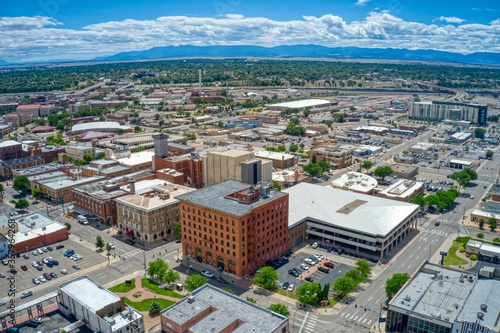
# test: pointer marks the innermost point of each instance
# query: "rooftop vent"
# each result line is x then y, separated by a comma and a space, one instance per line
190, 299
484, 307
480, 315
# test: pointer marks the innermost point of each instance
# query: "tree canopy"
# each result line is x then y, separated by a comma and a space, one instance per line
157, 268
21, 183
464, 177
479, 133
395, 283
22, 204
280, 308
267, 278
195, 281
99, 242
383, 171
366, 164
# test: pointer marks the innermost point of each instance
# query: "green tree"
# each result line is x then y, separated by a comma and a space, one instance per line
228, 290
157, 268
220, 124
2, 189
138, 129
324, 165
171, 276
252, 300
367, 165
309, 293
418, 200
154, 308
176, 228
293, 148
68, 226
479, 133
88, 157
21, 183
195, 281
481, 224
109, 247
267, 278
383, 171
22, 204
276, 186
306, 113
492, 223
101, 155
395, 283
489, 153
480, 235
496, 240
157, 116
464, 177
313, 169
343, 286
280, 308
364, 267
355, 275
99, 242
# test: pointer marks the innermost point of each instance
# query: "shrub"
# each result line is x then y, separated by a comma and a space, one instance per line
480, 235
462, 249
496, 240
473, 257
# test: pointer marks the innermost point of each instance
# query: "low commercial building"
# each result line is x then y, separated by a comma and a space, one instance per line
402, 190
404, 171
78, 151
97, 307
287, 178
59, 190
210, 309
138, 161
149, 217
460, 164
459, 137
438, 299
356, 182
300, 105
484, 251
421, 147
351, 220
279, 160
337, 156
35, 230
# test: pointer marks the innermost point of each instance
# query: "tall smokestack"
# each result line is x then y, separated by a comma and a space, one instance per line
132, 187
199, 81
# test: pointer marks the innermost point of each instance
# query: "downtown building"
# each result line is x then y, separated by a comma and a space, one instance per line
234, 227
453, 111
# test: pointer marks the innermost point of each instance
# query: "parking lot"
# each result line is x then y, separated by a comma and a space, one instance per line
24, 279
296, 259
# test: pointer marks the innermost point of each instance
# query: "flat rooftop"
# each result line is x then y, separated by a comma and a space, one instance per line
486, 292
273, 155
63, 182
214, 197
87, 292
303, 103
8, 143
39, 169
228, 309
402, 188
148, 203
137, 158
355, 181
376, 216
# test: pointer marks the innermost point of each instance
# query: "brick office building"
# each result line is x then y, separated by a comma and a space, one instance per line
233, 226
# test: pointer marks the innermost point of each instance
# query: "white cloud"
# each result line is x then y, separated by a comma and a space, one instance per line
362, 2
43, 38
451, 19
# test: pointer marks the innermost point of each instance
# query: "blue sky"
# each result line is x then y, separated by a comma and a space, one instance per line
39, 30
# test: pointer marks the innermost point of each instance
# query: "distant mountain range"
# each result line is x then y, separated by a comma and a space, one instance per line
3, 62
305, 51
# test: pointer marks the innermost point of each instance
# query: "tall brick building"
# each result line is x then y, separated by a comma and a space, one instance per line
233, 226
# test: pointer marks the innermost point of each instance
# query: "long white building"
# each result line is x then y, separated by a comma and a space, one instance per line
441, 110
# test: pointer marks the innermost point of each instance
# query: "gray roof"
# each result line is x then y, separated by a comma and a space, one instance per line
486, 292
228, 309
64, 182
345, 209
435, 292
214, 197
8, 143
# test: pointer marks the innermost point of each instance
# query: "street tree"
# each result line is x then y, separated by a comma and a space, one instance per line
20, 183
99, 242
109, 247
171, 276
367, 165
157, 268
195, 281
267, 278
2, 188
324, 165
293, 148
492, 223
364, 267
22, 204
343, 286
481, 224
309, 293
395, 283
176, 228
154, 308
36, 193
68, 226
313, 169
489, 153
419, 200
383, 171
280, 308
306, 113
464, 177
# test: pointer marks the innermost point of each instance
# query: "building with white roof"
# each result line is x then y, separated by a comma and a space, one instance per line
351, 220
438, 299
100, 126
138, 161
280, 160
403, 190
100, 309
356, 182
421, 147
301, 104
210, 309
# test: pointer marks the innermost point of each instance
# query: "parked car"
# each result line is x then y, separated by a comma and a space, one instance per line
35, 253
329, 264
309, 261
291, 287
319, 256
55, 262
309, 279
304, 267
315, 245
313, 258
76, 266
42, 278
26, 256
2, 303
285, 286
207, 274
35, 281
54, 275
58, 247
63, 271
47, 276
24, 267
221, 280
5, 262
323, 269
129, 241
2, 275
50, 248
27, 294
37, 320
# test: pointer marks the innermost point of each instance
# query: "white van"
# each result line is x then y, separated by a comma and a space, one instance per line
82, 219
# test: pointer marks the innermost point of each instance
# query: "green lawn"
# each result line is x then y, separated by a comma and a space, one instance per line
122, 288
451, 258
155, 288
146, 303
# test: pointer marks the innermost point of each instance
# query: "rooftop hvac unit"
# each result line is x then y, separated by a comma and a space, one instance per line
190, 299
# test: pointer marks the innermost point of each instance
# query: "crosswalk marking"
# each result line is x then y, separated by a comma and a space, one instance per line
132, 253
